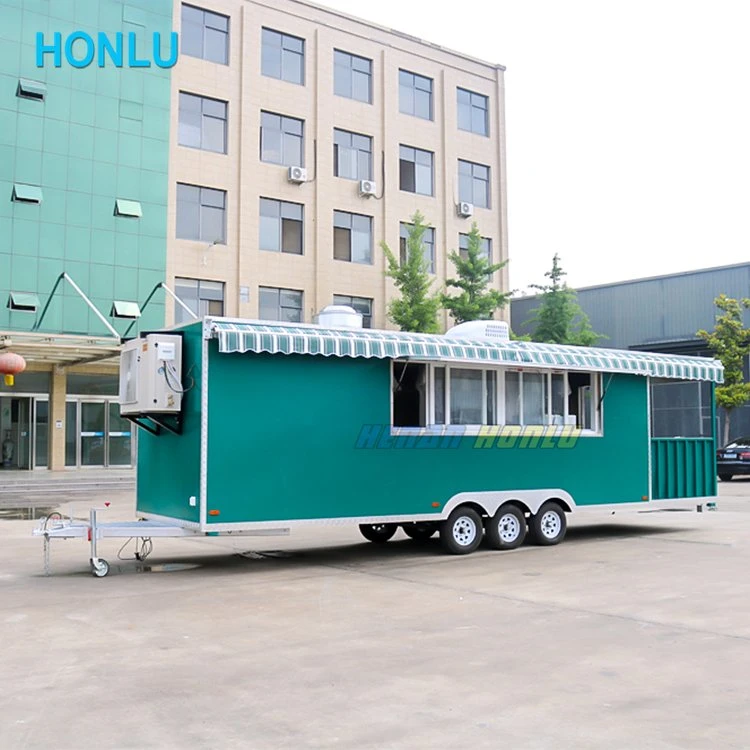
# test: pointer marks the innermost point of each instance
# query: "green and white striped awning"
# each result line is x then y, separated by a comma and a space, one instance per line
249, 336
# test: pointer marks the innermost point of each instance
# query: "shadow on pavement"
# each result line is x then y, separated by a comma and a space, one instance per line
305, 560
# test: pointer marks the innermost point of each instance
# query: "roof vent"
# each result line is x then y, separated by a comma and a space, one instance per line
339, 316
484, 330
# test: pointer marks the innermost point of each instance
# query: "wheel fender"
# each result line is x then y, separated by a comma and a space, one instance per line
490, 501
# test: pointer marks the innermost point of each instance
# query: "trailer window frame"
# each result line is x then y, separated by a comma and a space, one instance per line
438, 416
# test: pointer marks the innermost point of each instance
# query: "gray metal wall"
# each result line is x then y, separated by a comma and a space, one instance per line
660, 314
647, 311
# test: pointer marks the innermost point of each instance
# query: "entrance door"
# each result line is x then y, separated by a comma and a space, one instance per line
41, 433
119, 431
93, 415
15, 432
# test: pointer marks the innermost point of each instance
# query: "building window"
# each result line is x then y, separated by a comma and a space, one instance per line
360, 304
352, 155
201, 213
202, 297
23, 193
129, 208
280, 304
352, 76
282, 140
352, 237
473, 110
203, 123
281, 226
463, 247
204, 34
28, 89
415, 94
428, 245
474, 183
283, 56
415, 170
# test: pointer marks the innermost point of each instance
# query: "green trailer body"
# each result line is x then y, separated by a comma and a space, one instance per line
285, 424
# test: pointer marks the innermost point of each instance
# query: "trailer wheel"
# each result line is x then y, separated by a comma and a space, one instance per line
99, 567
507, 528
378, 532
548, 526
461, 533
726, 477
420, 532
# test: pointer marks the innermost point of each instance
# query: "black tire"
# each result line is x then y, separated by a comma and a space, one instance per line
507, 528
548, 526
419, 532
726, 477
461, 533
377, 532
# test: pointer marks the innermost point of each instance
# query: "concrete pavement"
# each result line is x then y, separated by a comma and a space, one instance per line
634, 633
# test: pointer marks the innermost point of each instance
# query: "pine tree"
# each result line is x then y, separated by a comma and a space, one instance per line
559, 318
474, 273
417, 307
730, 342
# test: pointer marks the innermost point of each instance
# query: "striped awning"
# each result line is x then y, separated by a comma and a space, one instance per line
250, 336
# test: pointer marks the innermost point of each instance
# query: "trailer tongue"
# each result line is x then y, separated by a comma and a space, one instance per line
55, 526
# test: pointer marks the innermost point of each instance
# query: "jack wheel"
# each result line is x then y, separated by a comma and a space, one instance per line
99, 568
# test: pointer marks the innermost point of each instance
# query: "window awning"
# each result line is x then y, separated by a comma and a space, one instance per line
250, 336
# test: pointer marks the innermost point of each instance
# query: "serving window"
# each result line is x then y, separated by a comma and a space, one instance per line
425, 395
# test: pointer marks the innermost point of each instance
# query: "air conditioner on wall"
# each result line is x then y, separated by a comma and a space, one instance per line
297, 175
465, 209
367, 188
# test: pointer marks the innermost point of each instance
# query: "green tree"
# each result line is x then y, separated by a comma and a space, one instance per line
559, 318
417, 307
474, 273
730, 343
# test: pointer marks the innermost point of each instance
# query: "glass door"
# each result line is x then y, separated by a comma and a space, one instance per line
41, 433
92, 435
71, 433
15, 432
119, 433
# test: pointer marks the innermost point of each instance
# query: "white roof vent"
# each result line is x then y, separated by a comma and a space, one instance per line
339, 316
484, 330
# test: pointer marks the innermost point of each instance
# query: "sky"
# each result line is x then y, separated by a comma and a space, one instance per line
628, 127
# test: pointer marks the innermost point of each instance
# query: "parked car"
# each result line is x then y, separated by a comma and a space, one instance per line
733, 458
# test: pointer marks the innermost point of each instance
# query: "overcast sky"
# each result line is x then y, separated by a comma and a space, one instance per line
628, 127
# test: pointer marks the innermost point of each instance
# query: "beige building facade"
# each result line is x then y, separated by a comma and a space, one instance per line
263, 87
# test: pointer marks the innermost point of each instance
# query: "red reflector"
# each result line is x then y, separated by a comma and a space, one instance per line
89, 535
745, 456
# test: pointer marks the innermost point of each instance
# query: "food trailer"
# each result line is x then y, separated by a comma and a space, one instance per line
254, 427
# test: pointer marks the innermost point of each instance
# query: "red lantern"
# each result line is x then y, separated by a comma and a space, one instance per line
10, 365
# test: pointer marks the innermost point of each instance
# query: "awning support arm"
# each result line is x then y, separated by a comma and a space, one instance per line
162, 285
64, 277
604, 392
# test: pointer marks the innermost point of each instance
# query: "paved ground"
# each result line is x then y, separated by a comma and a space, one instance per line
634, 633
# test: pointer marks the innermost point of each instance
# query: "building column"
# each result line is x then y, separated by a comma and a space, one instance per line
58, 387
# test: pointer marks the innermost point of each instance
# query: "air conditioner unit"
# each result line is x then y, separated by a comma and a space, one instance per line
367, 188
297, 175
151, 375
465, 209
